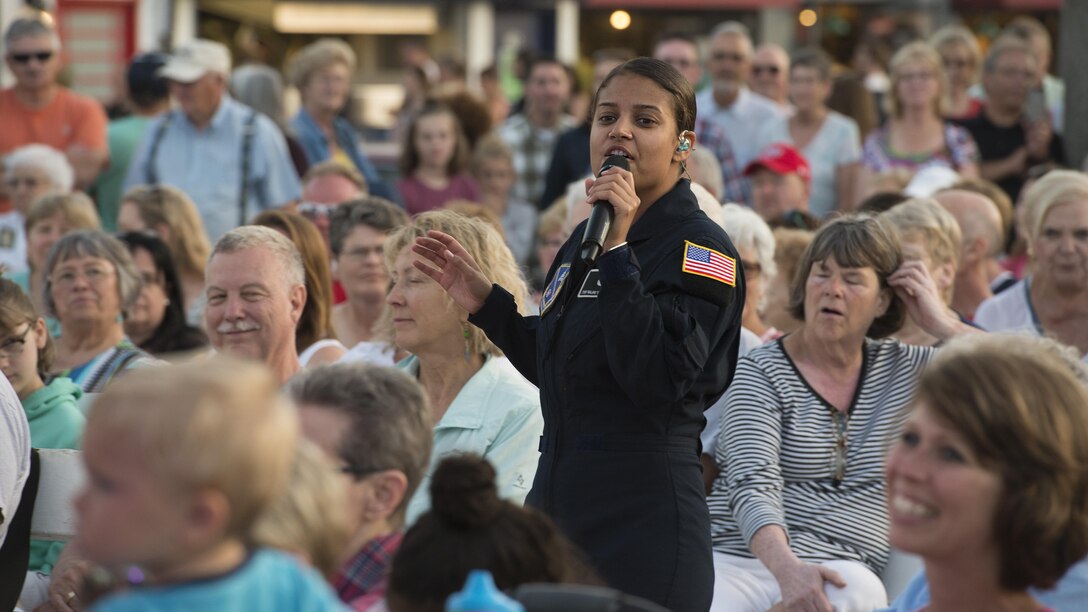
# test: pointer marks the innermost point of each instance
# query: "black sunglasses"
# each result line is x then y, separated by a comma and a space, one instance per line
24, 58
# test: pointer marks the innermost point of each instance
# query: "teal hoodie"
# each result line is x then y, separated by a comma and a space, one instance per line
55, 422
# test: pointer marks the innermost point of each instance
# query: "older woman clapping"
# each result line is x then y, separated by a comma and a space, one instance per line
480, 403
1053, 300
987, 483
807, 422
90, 281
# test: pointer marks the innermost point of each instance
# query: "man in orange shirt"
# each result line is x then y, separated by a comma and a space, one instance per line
38, 110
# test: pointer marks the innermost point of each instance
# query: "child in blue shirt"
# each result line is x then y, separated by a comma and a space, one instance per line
181, 462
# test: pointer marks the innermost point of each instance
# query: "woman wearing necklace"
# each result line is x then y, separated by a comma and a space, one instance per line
798, 510
915, 136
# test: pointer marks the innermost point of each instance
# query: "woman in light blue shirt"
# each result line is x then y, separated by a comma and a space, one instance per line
480, 403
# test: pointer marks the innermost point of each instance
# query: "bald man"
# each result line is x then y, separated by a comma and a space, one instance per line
980, 223
770, 74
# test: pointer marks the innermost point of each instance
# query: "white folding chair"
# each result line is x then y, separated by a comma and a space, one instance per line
62, 476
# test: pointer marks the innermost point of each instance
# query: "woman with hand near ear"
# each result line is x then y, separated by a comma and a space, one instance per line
629, 350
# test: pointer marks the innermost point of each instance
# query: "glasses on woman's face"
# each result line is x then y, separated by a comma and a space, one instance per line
922, 75
95, 275
954, 63
12, 346
150, 279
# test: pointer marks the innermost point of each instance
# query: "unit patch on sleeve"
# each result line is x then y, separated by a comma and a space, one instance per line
554, 287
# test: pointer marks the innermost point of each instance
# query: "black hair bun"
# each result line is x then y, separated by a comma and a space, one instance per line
463, 492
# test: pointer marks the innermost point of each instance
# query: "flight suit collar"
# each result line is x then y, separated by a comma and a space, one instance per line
677, 204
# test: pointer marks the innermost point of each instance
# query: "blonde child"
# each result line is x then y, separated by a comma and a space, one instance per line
308, 520
432, 165
181, 463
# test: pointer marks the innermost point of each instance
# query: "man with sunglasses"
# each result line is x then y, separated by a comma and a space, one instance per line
731, 105
325, 186
39, 110
770, 75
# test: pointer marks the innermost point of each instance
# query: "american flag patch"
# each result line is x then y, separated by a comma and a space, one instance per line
706, 262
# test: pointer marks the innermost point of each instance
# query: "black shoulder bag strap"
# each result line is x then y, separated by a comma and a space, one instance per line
247, 150
151, 175
15, 553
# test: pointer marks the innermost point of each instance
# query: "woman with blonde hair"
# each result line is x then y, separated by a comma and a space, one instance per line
315, 338
961, 57
51, 217
480, 403
915, 135
169, 214
927, 233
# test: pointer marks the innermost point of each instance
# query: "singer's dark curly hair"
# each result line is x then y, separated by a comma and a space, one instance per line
666, 77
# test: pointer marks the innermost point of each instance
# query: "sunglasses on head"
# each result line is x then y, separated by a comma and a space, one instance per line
24, 58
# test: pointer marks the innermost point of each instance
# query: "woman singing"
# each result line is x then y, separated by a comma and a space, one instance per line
627, 351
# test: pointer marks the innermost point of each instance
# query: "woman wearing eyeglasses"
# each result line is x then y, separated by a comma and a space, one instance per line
797, 512
26, 355
915, 136
156, 321
90, 282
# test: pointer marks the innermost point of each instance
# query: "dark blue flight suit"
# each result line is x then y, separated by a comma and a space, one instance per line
627, 357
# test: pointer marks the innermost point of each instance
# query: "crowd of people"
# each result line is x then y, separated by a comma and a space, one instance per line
300, 382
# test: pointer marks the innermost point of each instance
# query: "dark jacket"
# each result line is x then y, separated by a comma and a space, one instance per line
627, 357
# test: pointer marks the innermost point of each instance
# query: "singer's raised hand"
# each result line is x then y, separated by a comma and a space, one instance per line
617, 187
454, 269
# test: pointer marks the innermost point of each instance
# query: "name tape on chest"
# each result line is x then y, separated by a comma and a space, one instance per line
708, 263
591, 286
554, 287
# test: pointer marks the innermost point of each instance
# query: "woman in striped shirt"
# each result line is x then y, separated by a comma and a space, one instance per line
808, 420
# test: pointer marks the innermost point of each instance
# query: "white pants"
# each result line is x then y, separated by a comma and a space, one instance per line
746, 585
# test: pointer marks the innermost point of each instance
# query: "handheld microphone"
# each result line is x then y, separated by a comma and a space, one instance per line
600, 218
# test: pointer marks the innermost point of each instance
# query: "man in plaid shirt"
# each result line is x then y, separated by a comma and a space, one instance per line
374, 425
532, 134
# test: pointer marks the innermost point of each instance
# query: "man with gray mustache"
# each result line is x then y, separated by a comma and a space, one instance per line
255, 288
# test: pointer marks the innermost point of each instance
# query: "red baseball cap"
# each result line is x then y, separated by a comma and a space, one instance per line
781, 158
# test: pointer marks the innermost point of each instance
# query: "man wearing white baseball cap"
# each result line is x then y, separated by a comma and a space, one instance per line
232, 161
